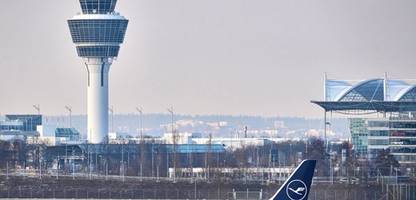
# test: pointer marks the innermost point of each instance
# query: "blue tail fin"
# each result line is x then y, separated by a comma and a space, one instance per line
298, 185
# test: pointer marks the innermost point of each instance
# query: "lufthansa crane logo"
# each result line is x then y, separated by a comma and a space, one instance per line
296, 190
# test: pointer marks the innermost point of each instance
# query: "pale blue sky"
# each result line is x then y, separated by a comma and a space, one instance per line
262, 57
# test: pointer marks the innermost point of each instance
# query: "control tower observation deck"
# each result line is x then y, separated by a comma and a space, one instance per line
97, 33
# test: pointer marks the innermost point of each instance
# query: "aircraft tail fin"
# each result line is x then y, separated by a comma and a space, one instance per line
298, 185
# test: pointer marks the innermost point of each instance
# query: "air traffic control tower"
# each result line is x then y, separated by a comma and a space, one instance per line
97, 33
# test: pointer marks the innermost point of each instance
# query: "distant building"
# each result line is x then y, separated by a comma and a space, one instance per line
118, 136
22, 127
14, 125
234, 143
23, 123
158, 158
394, 99
67, 134
181, 138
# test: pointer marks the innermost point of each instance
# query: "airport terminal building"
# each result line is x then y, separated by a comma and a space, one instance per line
382, 115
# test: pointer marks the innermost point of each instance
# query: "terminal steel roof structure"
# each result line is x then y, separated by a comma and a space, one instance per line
378, 95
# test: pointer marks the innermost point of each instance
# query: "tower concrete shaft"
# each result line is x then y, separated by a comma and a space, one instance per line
98, 69
97, 34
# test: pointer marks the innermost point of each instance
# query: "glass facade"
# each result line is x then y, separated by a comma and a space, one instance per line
97, 6
334, 88
395, 133
98, 51
11, 126
378, 142
98, 30
70, 133
359, 135
29, 122
378, 124
409, 96
353, 96
399, 124
368, 91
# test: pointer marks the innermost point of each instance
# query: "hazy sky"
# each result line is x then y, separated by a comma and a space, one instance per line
264, 57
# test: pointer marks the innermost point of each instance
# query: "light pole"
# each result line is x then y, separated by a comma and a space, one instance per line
7, 170
170, 110
37, 108
73, 164
69, 109
153, 161
57, 169
122, 158
111, 109
140, 110
40, 165
327, 128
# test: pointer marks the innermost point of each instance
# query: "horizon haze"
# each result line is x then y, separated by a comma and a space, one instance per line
237, 57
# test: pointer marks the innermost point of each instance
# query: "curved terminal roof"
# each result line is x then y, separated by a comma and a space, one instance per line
372, 94
369, 90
